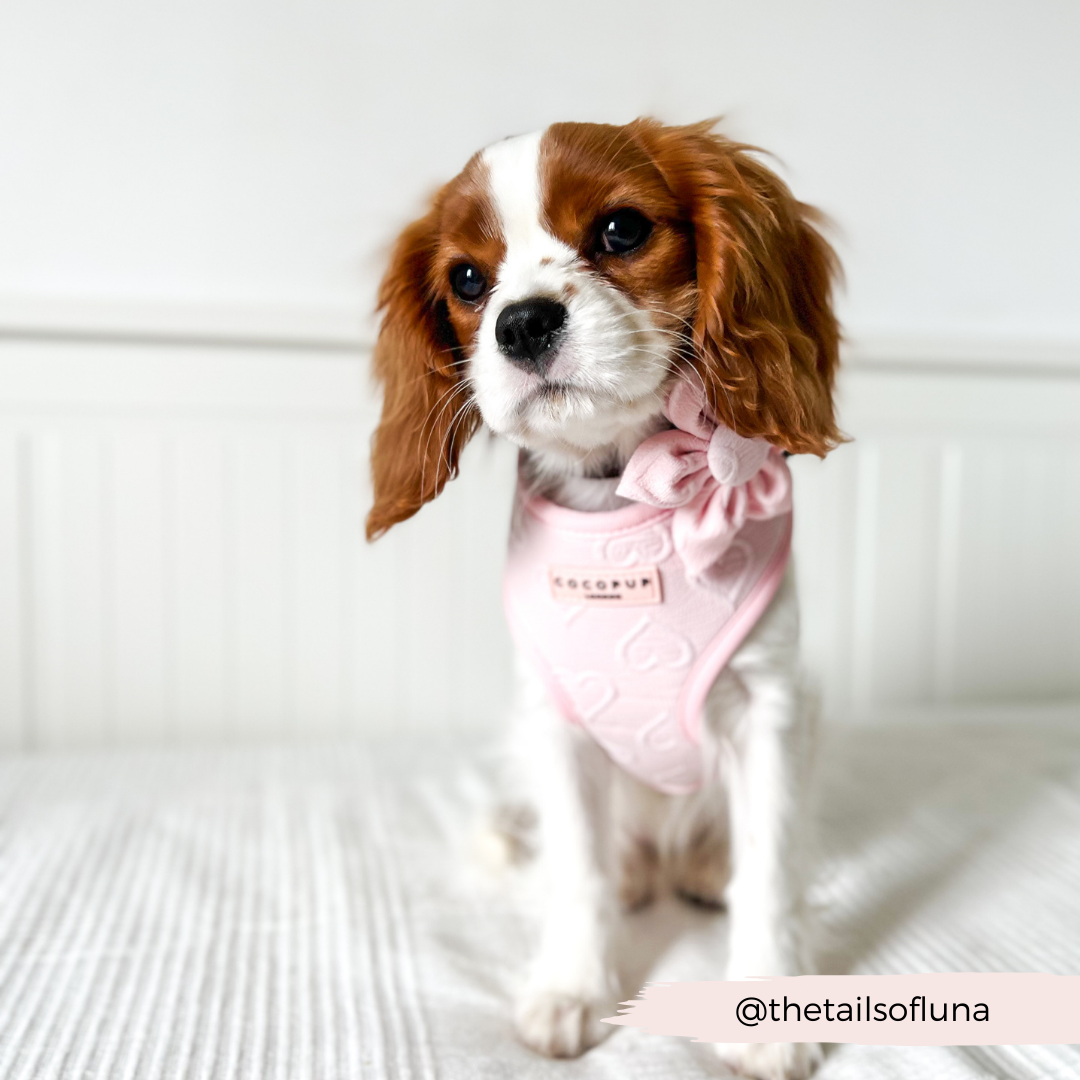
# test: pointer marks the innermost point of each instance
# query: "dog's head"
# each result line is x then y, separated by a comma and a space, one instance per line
557, 285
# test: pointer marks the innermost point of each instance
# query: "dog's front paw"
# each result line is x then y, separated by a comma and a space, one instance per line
771, 1061
562, 1025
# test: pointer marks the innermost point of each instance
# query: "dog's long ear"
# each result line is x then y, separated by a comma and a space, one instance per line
426, 420
765, 337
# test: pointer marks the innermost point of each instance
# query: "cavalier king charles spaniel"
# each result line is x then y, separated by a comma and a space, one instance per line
645, 311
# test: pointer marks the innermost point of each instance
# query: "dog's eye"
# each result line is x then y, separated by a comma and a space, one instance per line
623, 231
467, 282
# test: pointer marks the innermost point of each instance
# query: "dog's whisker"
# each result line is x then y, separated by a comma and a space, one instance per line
447, 397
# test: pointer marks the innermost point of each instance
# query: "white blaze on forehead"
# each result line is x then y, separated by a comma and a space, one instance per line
513, 167
513, 170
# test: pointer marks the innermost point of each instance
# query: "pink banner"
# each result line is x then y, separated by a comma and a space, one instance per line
898, 1010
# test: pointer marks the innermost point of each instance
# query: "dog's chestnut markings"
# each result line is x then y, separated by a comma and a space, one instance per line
733, 260
426, 336
589, 172
765, 339
470, 235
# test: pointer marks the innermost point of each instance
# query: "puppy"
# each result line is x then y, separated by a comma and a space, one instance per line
646, 312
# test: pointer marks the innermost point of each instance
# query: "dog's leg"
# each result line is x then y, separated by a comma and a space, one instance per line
572, 983
765, 786
638, 813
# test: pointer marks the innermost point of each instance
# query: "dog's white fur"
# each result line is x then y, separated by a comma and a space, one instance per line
611, 371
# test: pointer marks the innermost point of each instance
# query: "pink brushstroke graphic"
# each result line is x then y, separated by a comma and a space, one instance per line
962, 1009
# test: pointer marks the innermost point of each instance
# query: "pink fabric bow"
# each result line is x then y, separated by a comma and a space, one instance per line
716, 480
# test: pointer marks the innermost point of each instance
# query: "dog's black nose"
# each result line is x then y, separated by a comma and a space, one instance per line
526, 331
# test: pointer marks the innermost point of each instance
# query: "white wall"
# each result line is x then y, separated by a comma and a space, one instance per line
181, 552
194, 202
247, 159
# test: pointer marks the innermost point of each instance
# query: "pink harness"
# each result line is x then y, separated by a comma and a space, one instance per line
631, 614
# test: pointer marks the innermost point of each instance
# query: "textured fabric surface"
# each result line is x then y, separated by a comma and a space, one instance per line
316, 914
634, 675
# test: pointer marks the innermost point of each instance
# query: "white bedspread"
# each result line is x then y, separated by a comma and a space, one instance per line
312, 914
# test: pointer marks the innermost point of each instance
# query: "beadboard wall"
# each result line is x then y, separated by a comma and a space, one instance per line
181, 552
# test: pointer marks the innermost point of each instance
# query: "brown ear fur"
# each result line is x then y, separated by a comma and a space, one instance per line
765, 338
427, 415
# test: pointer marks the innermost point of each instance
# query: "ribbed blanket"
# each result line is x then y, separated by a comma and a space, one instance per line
300, 913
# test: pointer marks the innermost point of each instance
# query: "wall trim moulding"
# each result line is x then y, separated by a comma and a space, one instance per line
257, 325
1022, 356
350, 328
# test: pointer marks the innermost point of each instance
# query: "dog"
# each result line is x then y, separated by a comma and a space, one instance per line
645, 311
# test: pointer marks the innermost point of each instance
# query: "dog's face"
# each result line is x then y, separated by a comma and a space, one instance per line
576, 323
559, 282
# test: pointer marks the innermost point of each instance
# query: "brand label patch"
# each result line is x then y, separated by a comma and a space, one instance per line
629, 585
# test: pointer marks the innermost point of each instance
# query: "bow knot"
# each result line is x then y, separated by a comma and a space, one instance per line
715, 479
